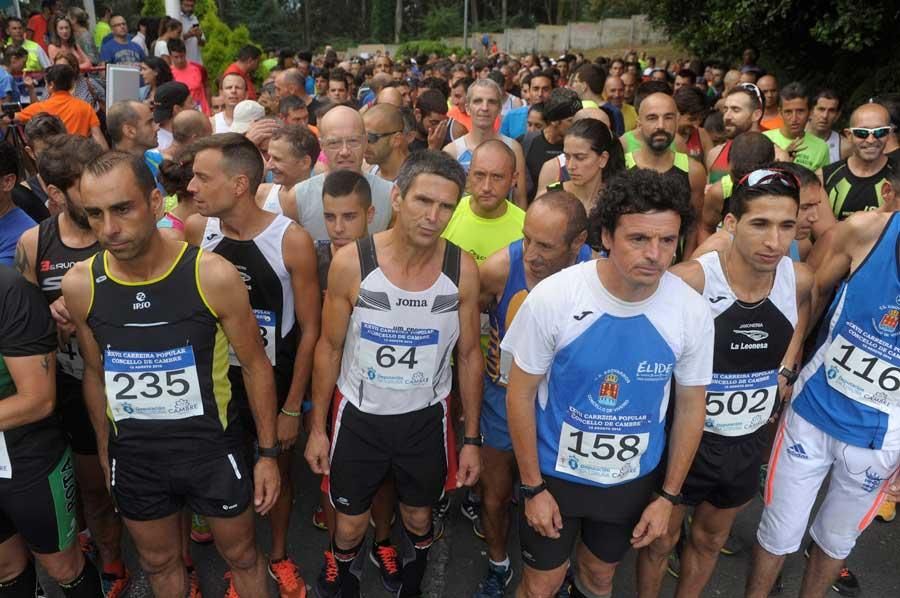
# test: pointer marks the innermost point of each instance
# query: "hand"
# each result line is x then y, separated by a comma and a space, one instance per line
469, 466
61, 316
437, 135
288, 428
796, 146
892, 492
316, 453
267, 484
542, 514
785, 391
653, 524
28, 82
261, 131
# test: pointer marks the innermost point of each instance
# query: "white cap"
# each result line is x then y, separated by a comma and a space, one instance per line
246, 113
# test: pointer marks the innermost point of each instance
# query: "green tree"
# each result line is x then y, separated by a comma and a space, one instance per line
222, 42
153, 8
383, 20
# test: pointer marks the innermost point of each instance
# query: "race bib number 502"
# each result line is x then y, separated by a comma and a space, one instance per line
152, 385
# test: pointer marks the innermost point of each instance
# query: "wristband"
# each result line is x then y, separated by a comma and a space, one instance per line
290, 413
271, 453
473, 440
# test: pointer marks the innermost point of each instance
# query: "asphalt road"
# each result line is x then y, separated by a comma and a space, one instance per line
457, 562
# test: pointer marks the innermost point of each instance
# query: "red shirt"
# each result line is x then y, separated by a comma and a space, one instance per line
194, 76
38, 24
236, 69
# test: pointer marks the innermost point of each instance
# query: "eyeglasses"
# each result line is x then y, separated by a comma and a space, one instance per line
877, 132
374, 138
333, 144
764, 176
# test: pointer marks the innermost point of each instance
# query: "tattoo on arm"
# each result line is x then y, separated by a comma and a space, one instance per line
21, 259
45, 363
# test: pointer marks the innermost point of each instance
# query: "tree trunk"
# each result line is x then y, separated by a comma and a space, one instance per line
503, 16
474, 15
574, 16
398, 20
560, 11
306, 39
365, 18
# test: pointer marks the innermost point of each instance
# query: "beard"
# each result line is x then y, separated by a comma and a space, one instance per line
660, 141
77, 215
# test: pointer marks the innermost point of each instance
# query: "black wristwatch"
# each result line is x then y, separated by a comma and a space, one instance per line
271, 453
474, 440
532, 491
789, 374
675, 499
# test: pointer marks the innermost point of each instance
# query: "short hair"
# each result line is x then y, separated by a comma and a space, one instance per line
187, 124
42, 126
61, 76
749, 151
594, 76
301, 140
571, 207
9, 159
109, 161
497, 144
431, 100
337, 74
804, 175
120, 114
483, 83
743, 193
466, 82
433, 162
690, 100
539, 108
891, 103
290, 103
827, 93
794, 91
746, 90
687, 74
602, 140
64, 161
345, 182
648, 88
546, 73
10, 52
440, 85
638, 191
497, 77
12, 19
239, 155
248, 52
715, 122
176, 44
293, 76
563, 103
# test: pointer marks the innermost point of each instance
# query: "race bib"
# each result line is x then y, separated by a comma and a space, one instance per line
161, 385
69, 359
398, 358
740, 404
266, 322
862, 370
5, 463
600, 458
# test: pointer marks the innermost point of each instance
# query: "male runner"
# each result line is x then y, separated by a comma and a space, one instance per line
37, 483
293, 150
803, 147
826, 110
387, 145
164, 313
771, 117
856, 183
554, 238
844, 419
277, 261
43, 256
397, 304
539, 85
597, 346
760, 300
483, 105
539, 146
657, 120
742, 109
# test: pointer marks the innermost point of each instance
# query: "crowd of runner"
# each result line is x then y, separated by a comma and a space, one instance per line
613, 299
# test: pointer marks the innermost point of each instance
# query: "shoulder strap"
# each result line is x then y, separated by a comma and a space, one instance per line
528, 141
368, 260
682, 162
48, 229
629, 161
451, 264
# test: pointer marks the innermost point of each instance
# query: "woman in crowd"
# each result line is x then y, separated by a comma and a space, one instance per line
81, 31
168, 29
154, 71
86, 88
63, 40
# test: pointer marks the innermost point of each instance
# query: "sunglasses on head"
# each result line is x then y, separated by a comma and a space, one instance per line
877, 132
751, 87
764, 176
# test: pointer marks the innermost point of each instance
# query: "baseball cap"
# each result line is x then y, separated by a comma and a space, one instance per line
245, 114
168, 95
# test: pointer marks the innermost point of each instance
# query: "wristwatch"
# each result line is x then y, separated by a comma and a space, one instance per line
474, 440
789, 374
271, 453
532, 491
675, 499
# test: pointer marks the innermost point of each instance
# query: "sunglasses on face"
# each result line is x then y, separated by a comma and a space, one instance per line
764, 176
877, 132
374, 138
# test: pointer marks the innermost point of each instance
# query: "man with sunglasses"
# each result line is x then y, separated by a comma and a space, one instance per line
844, 419
803, 147
855, 184
760, 301
387, 147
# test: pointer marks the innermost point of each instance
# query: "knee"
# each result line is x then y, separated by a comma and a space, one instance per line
540, 586
662, 547
64, 566
495, 497
240, 555
156, 562
597, 577
349, 531
707, 541
417, 520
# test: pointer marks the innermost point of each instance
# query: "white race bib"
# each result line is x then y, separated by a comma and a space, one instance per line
398, 358
862, 376
152, 385
70, 360
5, 463
740, 404
266, 322
600, 458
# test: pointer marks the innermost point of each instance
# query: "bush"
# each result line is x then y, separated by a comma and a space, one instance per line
222, 42
445, 21
153, 8
415, 48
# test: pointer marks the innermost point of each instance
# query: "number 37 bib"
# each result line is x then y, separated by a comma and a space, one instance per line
152, 385
398, 358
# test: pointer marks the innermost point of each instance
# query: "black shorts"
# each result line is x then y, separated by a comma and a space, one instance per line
145, 489
73, 415
366, 449
42, 512
604, 518
242, 402
725, 472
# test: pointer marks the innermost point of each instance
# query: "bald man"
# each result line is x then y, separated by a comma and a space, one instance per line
856, 183
614, 93
390, 96
387, 146
342, 136
292, 82
657, 121
187, 127
768, 86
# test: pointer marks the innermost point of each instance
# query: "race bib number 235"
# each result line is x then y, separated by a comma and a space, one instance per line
152, 385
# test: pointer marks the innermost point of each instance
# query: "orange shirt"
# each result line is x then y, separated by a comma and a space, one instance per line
77, 115
772, 122
466, 119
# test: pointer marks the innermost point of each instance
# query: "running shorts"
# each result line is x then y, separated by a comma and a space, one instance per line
725, 472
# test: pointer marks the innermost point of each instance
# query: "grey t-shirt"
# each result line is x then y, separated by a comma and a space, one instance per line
312, 217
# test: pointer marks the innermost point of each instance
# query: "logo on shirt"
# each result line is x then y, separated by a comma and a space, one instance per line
872, 481
717, 299
609, 391
140, 301
211, 236
754, 333
582, 315
890, 319
401, 302
609, 385
797, 451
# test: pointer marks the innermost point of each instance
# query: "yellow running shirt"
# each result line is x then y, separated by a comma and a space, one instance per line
482, 236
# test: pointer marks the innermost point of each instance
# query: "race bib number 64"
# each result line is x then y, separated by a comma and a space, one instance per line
398, 358
152, 385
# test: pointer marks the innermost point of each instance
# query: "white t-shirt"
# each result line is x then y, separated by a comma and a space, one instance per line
311, 212
160, 48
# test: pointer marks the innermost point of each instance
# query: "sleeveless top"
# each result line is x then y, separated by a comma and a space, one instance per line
272, 203
849, 193
165, 362
750, 343
397, 351
323, 263
719, 167
464, 154
694, 145
219, 124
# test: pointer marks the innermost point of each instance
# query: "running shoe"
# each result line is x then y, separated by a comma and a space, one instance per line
385, 558
88, 547
673, 567
494, 584
113, 585
194, 581
318, 519
200, 532
439, 515
887, 511
565, 590
477, 528
471, 506
328, 585
39, 591
286, 573
778, 587
733, 545
846, 583
231, 592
